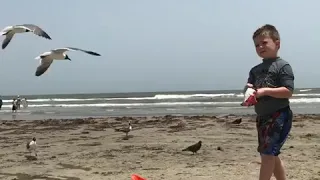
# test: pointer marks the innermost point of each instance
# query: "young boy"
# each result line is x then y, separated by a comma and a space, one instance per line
273, 80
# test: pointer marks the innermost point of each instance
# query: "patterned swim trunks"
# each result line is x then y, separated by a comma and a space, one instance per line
273, 131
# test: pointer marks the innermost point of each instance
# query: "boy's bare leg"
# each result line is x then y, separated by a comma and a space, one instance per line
279, 170
267, 167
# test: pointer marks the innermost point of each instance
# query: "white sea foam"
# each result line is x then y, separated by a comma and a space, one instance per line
305, 90
157, 97
162, 104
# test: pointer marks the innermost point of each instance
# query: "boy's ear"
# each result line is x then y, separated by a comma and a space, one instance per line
278, 43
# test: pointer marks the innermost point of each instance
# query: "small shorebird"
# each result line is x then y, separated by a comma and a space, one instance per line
125, 129
47, 58
237, 121
10, 31
193, 148
32, 146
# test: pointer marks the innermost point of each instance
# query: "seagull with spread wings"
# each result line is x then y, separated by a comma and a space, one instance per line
10, 31
47, 58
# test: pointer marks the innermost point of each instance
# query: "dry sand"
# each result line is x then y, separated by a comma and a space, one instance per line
90, 149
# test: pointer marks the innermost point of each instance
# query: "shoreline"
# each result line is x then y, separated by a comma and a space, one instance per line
90, 148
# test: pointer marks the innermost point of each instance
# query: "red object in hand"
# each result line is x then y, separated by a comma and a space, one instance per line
249, 97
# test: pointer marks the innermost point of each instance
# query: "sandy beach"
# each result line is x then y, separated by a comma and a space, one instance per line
90, 148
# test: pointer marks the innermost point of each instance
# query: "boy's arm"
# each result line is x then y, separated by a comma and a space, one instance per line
286, 88
250, 82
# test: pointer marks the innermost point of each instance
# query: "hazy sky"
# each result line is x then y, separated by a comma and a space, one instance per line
154, 45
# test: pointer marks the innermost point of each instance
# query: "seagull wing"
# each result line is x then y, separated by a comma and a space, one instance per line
28, 145
45, 63
36, 30
86, 51
193, 148
60, 50
7, 40
6, 29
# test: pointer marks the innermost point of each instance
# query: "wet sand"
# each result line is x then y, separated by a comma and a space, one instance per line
90, 148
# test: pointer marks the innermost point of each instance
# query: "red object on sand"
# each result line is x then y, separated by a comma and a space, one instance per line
137, 177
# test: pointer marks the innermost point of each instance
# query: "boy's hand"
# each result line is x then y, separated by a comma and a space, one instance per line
249, 97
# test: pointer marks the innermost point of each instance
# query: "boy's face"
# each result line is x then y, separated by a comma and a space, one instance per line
266, 47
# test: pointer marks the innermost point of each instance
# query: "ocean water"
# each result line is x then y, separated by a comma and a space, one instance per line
150, 103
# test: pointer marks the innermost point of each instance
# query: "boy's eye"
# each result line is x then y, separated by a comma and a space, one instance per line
257, 45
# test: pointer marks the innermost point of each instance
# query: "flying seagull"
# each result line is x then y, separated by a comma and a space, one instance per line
193, 148
32, 146
10, 31
47, 58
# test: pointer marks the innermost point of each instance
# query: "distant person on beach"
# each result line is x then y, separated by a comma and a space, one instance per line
273, 80
1, 103
14, 105
18, 102
24, 103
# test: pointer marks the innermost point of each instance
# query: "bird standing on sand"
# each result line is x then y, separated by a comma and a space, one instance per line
32, 146
125, 129
10, 31
193, 148
47, 58
237, 121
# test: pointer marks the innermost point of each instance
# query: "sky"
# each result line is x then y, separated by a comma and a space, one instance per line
154, 45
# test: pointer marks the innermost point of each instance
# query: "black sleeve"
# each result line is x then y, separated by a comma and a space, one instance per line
286, 77
250, 78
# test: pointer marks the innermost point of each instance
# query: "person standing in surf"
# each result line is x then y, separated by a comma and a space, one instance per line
18, 103
1, 103
24, 103
14, 105
273, 80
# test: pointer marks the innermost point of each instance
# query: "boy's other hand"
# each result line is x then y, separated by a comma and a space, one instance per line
250, 85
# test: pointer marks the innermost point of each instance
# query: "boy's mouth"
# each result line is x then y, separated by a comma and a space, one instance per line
263, 51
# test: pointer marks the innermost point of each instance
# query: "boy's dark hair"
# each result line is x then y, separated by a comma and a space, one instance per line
267, 30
